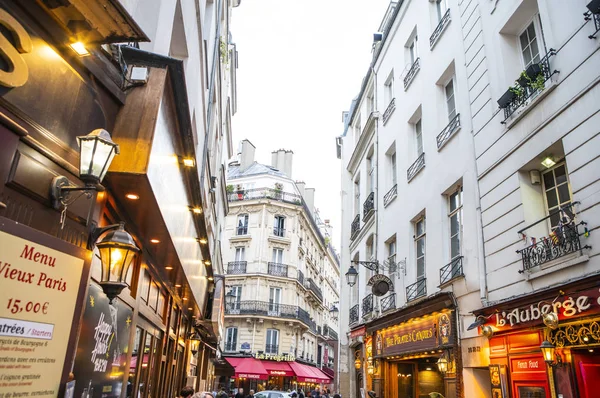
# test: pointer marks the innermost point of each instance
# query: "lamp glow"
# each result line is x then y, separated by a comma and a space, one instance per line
548, 162
79, 49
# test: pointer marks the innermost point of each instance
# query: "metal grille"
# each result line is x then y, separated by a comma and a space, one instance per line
388, 303
416, 290
367, 305
448, 131
452, 270
369, 206
236, 267
354, 314
416, 167
389, 110
355, 227
231, 346
271, 348
279, 232
277, 269
437, 33
312, 286
564, 241
392, 193
412, 72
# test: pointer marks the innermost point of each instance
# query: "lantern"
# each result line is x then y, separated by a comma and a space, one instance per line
442, 365
351, 276
96, 152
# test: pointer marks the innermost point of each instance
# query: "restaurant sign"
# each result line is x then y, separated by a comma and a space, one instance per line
566, 307
423, 334
275, 357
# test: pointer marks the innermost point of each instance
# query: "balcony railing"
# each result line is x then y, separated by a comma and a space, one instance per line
367, 305
412, 72
231, 347
277, 269
301, 277
312, 286
448, 131
388, 302
391, 195
319, 330
354, 314
415, 167
355, 227
416, 290
304, 317
565, 240
437, 33
519, 95
271, 349
279, 232
328, 331
265, 308
369, 206
237, 267
452, 270
389, 110
242, 230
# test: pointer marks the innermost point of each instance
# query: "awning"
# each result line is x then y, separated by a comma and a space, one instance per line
308, 374
248, 368
278, 368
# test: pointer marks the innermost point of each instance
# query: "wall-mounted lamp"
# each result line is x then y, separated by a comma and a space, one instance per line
351, 276
117, 251
551, 357
357, 361
334, 312
96, 152
487, 331
442, 364
550, 320
194, 339
548, 162
230, 299
79, 49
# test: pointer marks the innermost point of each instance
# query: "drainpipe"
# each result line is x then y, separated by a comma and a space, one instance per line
483, 285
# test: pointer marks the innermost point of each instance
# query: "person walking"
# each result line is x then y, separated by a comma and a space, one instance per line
250, 394
240, 393
301, 393
186, 392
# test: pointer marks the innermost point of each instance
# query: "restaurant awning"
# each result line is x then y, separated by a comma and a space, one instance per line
308, 374
278, 368
248, 368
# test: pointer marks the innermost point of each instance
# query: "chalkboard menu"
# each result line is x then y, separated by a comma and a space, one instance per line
103, 346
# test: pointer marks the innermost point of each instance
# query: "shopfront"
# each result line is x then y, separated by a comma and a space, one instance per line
413, 352
546, 344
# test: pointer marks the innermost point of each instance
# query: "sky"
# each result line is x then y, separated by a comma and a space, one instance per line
300, 64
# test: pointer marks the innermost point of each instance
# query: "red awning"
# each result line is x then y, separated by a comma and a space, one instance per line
248, 368
308, 374
278, 368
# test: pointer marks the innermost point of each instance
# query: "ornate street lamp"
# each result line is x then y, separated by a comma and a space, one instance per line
442, 364
117, 251
96, 152
334, 312
230, 299
550, 355
550, 320
194, 339
351, 276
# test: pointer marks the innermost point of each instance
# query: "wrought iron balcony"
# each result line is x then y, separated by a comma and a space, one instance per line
389, 110
328, 331
412, 72
264, 193
301, 277
319, 330
236, 267
416, 290
369, 206
519, 95
271, 349
391, 195
231, 347
265, 308
388, 302
305, 318
355, 227
448, 131
367, 305
277, 269
354, 314
242, 230
565, 240
313, 287
279, 232
452, 270
416, 167
441, 27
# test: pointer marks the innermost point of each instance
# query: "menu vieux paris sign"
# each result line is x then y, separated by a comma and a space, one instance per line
40, 277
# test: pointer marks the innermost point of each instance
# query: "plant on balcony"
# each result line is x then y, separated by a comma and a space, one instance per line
506, 98
240, 191
229, 188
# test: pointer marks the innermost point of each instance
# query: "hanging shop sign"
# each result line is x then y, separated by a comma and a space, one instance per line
358, 332
380, 285
41, 278
566, 307
275, 357
424, 334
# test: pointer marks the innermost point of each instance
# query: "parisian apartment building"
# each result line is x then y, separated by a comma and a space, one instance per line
284, 276
137, 96
470, 192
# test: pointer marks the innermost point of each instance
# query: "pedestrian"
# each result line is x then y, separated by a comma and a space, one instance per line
301, 393
240, 393
250, 394
186, 392
336, 395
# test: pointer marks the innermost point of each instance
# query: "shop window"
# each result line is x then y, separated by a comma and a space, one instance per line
153, 298
160, 307
145, 288
272, 344
242, 224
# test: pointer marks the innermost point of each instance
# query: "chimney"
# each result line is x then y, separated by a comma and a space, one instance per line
246, 155
301, 185
309, 198
282, 161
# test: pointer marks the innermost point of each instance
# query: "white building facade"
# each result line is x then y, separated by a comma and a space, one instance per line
284, 275
496, 209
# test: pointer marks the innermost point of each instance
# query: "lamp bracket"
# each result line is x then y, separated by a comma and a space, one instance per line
61, 187
372, 265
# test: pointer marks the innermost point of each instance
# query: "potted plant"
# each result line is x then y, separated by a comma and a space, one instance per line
506, 98
594, 6
278, 190
240, 192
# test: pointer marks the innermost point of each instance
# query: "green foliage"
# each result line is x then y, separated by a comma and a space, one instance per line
224, 51
539, 83
229, 188
517, 90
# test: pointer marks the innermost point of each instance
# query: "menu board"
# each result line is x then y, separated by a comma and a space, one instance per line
38, 297
103, 346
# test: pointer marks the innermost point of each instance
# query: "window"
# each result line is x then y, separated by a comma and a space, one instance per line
391, 254
240, 253
441, 7
455, 215
370, 103
450, 104
529, 45
272, 346
279, 226
419, 138
370, 174
278, 256
557, 193
231, 339
357, 196
388, 89
242, 224
414, 50
393, 168
274, 301
420, 247
369, 248
237, 292
357, 130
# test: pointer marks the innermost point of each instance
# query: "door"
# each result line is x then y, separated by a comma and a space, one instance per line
587, 367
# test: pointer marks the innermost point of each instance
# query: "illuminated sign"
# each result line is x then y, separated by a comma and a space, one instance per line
275, 357
278, 372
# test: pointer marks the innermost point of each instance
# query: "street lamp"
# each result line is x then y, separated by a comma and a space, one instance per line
194, 341
230, 299
334, 312
442, 364
96, 152
549, 354
351, 276
117, 250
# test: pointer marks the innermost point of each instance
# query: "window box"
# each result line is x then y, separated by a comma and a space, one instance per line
531, 74
594, 6
506, 98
